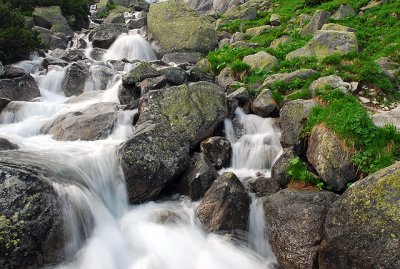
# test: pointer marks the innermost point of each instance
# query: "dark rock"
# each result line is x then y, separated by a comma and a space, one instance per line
217, 149
3, 103
73, 55
152, 158
241, 94
198, 177
2, 70
50, 40
54, 61
14, 72
295, 221
137, 23
181, 57
104, 35
279, 170
92, 123
225, 206
174, 75
5, 144
18, 86
362, 228
263, 186
75, 78
139, 72
150, 84
195, 74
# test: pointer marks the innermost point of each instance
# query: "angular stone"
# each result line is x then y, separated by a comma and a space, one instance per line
264, 105
319, 18
217, 149
262, 60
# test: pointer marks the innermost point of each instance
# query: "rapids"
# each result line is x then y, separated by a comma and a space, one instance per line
103, 231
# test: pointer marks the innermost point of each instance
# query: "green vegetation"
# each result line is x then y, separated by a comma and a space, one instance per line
299, 172
375, 148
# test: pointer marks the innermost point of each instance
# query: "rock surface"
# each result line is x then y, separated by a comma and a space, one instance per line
344, 11
318, 19
18, 86
226, 205
279, 170
264, 105
364, 220
5, 144
262, 60
331, 82
104, 35
217, 149
75, 78
387, 117
295, 223
303, 74
51, 18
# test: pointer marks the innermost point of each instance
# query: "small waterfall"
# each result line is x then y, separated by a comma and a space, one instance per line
50, 84
130, 46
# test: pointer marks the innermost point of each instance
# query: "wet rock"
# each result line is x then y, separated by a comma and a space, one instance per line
115, 17
31, 225
176, 28
264, 105
97, 54
318, 19
75, 78
262, 60
92, 123
150, 84
104, 35
225, 78
139, 72
303, 74
2, 70
99, 77
217, 149
5, 144
54, 61
198, 177
293, 116
137, 23
181, 57
152, 158
363, 220
3, 103
264, 186
174, 75
280, 40
18, 85
225, 206
330, 82
72, 55
193, 111
330, 157
327, 43
279, 170
344, 11
295, 221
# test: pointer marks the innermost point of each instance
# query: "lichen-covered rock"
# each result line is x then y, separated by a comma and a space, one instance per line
50, 40
280, 40
181, 57
303, 74
176, 28
293, 116
152, 158
343, 11
225, 206
279, 170
331, 82
337, 27
115, 17
318, 19
327, 43
93, 123
217, 149
193, 111
105, 34
51, 18
75, 78
275, 19
261, 60
139, 72
256, 31
31, 226
241, 94
364, 220
198, 177
173, 74
18, 86
330, 157
225, 78
295, 222
264, 105
241, 12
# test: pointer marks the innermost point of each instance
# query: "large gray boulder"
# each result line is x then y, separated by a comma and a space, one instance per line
75, 78
343, 11
18, 85
226, 205
193, 111
326, 43
319, 18
382, 118
295, 220
174, 27
264, 105
331, 82
51, 40
151, 159
105, 34
279, 170
51, 18
139, 72
362, 228
330, 157
303, 74
92, 123
262, 60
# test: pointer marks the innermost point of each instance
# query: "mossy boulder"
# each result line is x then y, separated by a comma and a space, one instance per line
243, 12
115, 17
326, 43
139, 72
193, 111
280, 40
362, 228
262, 60
337, 27
51, 18
330, 157
19, 86
225, 206
174, 27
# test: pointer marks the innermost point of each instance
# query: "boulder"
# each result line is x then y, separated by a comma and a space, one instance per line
31, 220
295, 220
326, 43
331, 82
225, 206
115, 17
50, 60
241, 12
174, 27
139, 72
150, 84
275, 19
263, 186
173, 74
151, 159
92, 123
193, 111
137, 23
75, 78
382, 118
225, 78
293, 116
302, 74
279, 170
105, 34
217, 149
212, 6
2, 70
181, 57
3, 103
241, 95
319, 18
264, 105
50, 40
137, 5
197, 74
336, 27
262, 60
70, 55
51, 18
5, 144
330, 157
343, 11
256, 31
280, 40
18, 86
198, 177
390, 68
364, 220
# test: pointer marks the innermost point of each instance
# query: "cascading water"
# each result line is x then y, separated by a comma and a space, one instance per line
101, 229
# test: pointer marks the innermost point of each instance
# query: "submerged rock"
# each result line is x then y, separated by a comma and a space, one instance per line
226, 205
364, 220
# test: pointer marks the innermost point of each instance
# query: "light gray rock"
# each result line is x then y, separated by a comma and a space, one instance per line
264, 105
344, 11
332, 81
262, 60
319, 18
289, 77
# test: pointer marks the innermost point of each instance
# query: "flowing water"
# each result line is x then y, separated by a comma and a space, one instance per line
101, 229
